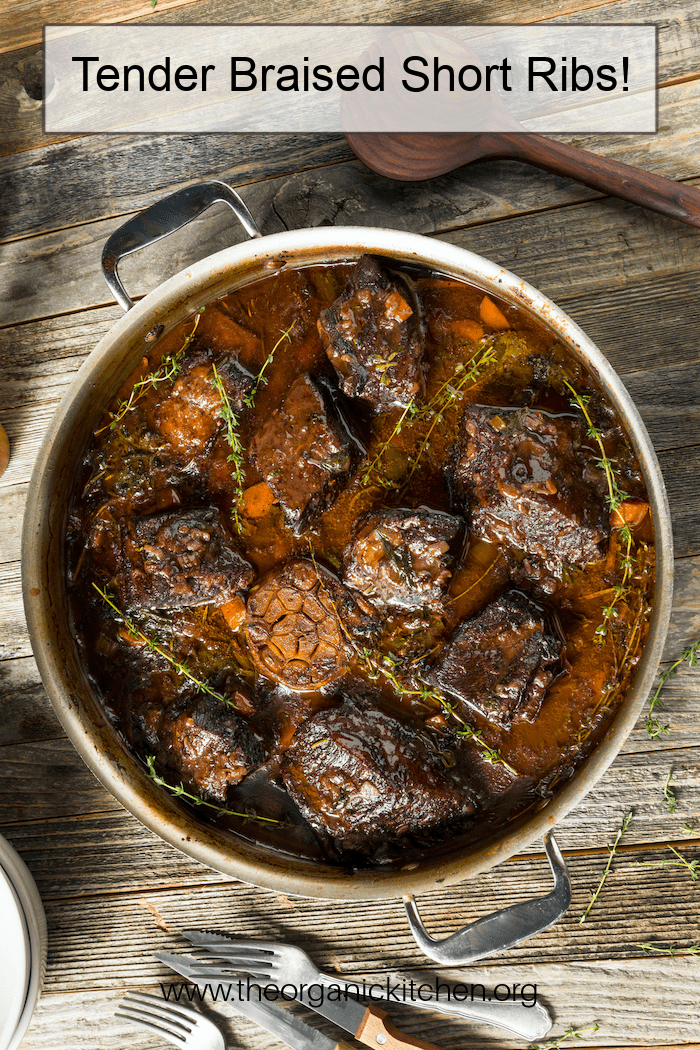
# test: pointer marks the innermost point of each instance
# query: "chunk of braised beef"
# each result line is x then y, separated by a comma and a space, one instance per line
530, 483
207, 745
174, 560
365, 779
304, 452
501, 661
187, 415
297, 625
403, 558
374, 338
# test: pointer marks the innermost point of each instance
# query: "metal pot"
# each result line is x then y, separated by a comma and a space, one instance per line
44, 579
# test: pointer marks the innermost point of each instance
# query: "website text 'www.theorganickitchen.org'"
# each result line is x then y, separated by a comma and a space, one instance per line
389, 990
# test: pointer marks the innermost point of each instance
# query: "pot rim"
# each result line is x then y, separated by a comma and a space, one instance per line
98, 745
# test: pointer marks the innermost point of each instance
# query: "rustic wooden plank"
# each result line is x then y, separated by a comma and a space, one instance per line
22, 21
626, 242
77, 840
111, 175
104, 942
47, 778
576, 994
25, 711
21, 81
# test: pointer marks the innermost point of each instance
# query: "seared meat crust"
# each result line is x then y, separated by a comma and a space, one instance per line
304, 453
188, 415
364, 778
402, 558
180, 559
530, 483
501, 661
374, 339
208, 745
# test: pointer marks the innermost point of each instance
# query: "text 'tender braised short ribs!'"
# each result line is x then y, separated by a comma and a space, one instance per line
530, 483
304, 452
373, 338
176, 560
501, 661
364, 778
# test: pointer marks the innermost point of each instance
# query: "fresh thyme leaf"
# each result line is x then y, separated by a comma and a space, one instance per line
236, 455
616, 497
409, 410
689, 656
260, 379
669, 800
179, 665
400, 558
689, 828
386, 668
449, 395
612, 850
648, 948
570, 1033
178, 791
167, 370
692, 866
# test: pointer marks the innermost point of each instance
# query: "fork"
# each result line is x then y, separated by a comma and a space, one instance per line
178, 1024
286, 964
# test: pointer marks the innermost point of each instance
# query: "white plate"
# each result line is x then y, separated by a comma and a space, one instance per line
14, 961
22, 946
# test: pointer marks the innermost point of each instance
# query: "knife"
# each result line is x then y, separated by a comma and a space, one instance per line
369, 1024
528, 1021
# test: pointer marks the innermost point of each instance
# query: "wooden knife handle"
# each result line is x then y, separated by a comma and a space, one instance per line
378, 1031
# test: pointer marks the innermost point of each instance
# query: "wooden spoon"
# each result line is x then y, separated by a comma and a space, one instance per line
411, 157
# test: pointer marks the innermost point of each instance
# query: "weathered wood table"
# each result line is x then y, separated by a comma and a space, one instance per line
112, 891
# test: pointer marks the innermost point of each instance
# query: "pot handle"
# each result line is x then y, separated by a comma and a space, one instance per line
163, 218
503, 929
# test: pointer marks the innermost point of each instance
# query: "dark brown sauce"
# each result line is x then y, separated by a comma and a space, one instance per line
130, 470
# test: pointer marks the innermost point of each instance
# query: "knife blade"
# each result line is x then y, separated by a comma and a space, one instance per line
369, 1024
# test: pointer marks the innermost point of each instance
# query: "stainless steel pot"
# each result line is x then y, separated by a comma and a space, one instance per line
44, 580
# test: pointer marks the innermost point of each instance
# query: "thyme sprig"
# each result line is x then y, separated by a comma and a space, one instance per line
179, 791
611, 850
167, 370
648, 948
386, 667
235, 456
692, 866
615, 498
669, 800
654, 727
179, 665
261, 379
409, 410
448, 396
570, 1033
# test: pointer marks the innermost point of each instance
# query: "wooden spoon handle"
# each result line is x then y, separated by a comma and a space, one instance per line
609, 176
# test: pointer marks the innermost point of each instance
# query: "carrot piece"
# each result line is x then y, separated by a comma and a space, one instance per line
258, 500
465, 329
234, 613
630, 513
491, 315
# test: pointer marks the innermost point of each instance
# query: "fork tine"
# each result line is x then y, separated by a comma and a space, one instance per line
161, 1027
161, 1008
221, 939
245, 961
215, 971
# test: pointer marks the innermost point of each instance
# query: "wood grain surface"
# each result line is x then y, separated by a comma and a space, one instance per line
113, 891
